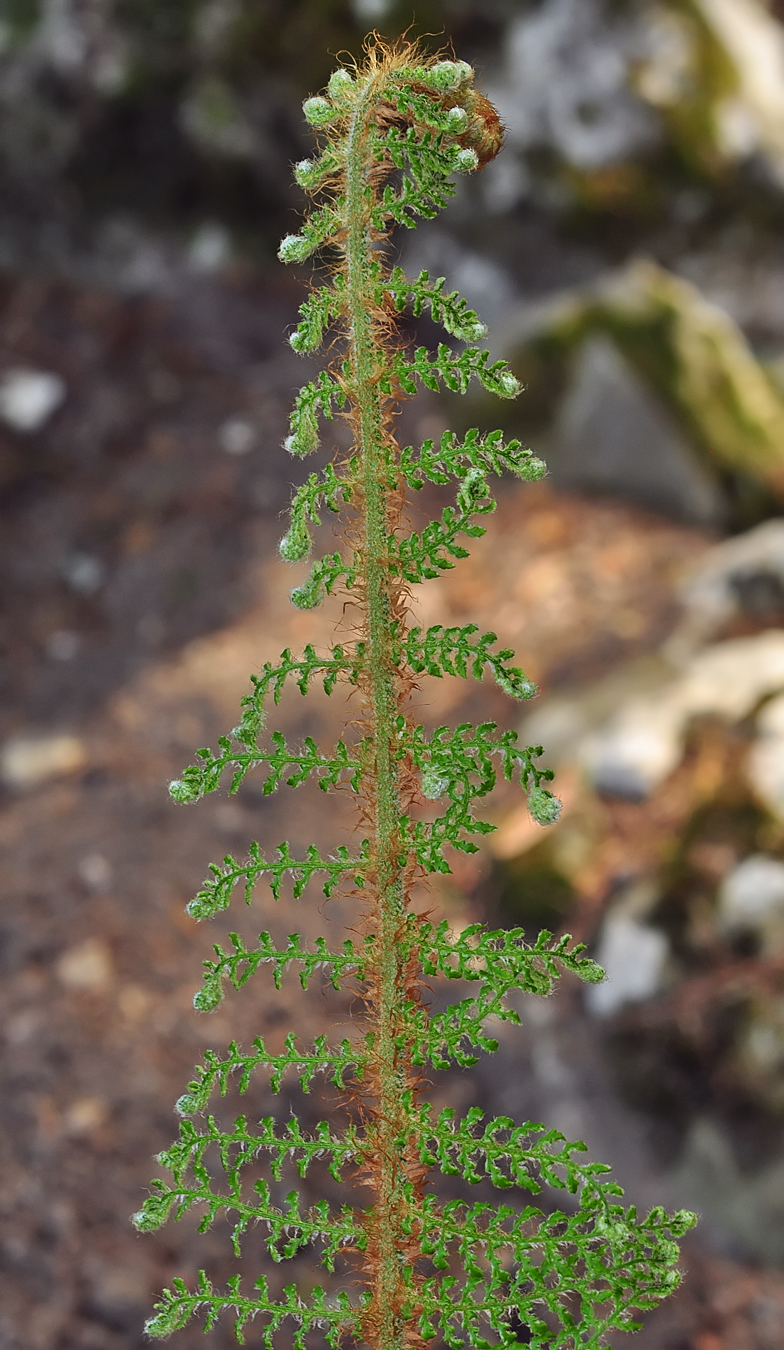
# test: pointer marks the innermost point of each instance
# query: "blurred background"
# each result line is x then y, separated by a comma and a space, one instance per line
626, 251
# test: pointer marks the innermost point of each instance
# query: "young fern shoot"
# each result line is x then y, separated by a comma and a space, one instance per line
394, 132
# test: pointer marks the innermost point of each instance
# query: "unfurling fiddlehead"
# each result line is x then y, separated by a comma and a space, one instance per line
394, 132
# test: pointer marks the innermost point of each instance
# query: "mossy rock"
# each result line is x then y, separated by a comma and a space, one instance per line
688, 352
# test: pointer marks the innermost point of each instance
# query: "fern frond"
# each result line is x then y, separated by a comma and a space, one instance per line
426, 111
325, 489
320, 309
500, 962
452, 1037
569, 1279
526, 1156
216, 1072
199, 779
239, 965
422, 557
303, 670
424, 199
395, 131
311, 174
449, 309
502, 954
318, 229
455, 459
454, 370
457, 762
319, 396
216, 891
279, 1144
288, 1230
454, 828
330, 1315
458, 823
324, 576
449, 651
426, 161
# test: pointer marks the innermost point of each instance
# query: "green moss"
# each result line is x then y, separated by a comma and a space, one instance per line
691, 118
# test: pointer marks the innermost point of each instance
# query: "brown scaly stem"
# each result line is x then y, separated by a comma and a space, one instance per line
390, 1077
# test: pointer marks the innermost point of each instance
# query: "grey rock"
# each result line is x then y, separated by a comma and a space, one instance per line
634, 956
766, 757
565, 83
613, 435
744, 575
730, 678
751, 899
28, 398
752, 120
638, 748
84, 573
633, 751
26, 761
723, 407
210, 248
743, 1213
237, 436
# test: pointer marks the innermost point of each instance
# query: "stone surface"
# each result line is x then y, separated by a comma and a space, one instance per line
751, 896
633, 955
28, 398
237, 436
766, 756
86, 967
751, 119
729, 678
685, 350
613, 435
84, 573
638, 748
748, 1208
742, 575
564, 83
641, 743
759, 1049
29, 760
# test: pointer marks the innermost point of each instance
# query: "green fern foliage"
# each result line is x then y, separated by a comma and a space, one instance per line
414, 1268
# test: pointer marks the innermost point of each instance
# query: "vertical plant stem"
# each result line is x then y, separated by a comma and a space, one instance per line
392, 1071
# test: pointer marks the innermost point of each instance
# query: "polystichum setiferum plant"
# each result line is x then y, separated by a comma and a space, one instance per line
394, 132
